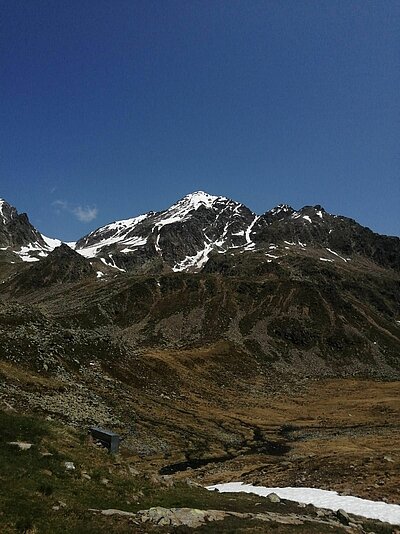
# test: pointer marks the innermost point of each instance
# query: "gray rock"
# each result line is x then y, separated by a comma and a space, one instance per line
69, 466
22, 445
133, 471
273, 497
190, 517
343, 517
112, 511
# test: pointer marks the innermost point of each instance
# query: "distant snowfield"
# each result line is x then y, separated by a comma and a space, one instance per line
382, 511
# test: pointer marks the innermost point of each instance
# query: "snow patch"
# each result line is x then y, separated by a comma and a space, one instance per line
3, 218
281, 208
112, 264
25, 252
272, 256
336, 254
249, 229
197, 261
322, 499
51, 243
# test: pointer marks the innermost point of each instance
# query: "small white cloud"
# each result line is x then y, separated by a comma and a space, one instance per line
60, 205
82, 213
85, 214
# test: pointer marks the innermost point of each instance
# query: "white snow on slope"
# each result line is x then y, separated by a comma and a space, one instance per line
194, 262
119, 229
336, 254
25, 252
249, 229
285, 208
272, 256
112, 263
51, 243
2, 202
124, 224
179, 211
322, 499
28, 252
184, 207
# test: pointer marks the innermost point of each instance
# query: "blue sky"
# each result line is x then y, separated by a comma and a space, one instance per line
109, 109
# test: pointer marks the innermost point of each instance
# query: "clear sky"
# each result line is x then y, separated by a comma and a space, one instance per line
109, 109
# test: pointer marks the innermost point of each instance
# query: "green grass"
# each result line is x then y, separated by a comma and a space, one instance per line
34, 481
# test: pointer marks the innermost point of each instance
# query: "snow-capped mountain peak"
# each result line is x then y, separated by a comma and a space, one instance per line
196, 200
186, 235
7, 212
19, 237
183, 235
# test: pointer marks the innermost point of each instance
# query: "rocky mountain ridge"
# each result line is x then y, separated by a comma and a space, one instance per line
20, 238
185, 236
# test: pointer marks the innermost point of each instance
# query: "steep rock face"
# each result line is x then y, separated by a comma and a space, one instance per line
185, 236
18, 236
182, 236
312, 225
15, 229
293, 289
62, 266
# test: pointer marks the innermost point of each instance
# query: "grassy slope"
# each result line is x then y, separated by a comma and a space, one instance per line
34, 481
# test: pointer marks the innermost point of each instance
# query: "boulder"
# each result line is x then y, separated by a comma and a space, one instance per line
22, 445
189, 517
273, 497
343, 517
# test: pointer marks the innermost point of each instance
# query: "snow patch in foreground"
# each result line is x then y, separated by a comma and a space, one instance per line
382, 511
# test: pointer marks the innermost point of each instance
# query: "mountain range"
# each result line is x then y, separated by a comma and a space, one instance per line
184, 237
302, 291
264, 348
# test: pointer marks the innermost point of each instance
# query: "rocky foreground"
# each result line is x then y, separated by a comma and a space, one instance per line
55, 479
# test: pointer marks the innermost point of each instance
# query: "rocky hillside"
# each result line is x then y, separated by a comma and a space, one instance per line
19, 240
243, 347
303, 292
183, 237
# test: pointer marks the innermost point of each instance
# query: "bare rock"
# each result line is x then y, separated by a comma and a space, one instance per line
113, 511
69, 466
190, 517
132, 471
22, 445
343, 517
273, 497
